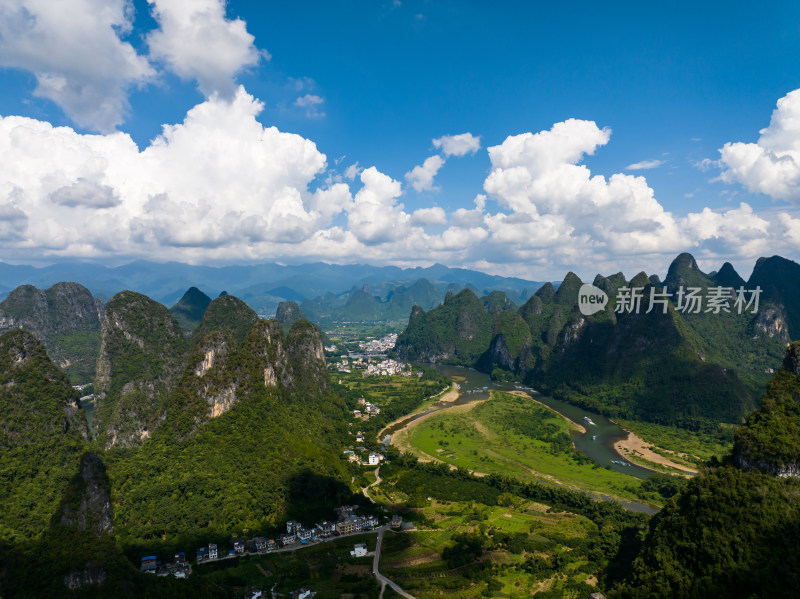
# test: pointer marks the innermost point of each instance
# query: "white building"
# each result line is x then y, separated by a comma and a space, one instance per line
374, 459
359, 550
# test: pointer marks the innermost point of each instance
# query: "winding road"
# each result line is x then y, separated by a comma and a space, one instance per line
372, 484
381, 578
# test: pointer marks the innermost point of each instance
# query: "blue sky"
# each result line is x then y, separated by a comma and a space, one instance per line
372, 85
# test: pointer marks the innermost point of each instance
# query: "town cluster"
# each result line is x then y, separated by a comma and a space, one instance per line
296, 535
378, 346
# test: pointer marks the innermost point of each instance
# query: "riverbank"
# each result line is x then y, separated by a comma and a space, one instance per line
633, 447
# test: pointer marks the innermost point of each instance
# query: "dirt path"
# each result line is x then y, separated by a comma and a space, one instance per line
635, 446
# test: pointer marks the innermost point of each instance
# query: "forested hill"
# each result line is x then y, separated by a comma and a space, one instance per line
674, 367
65, 317
734, 532
232, 429
42, 433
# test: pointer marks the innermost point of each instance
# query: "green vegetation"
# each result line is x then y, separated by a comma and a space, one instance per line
692, 371
42, 434
65, 318
694, 448
84, 346
735, 529
327, 567
500, 537
731, 533
457, 332
395, 395
515, 436
229, 315
190, 309
141, 357
769, 438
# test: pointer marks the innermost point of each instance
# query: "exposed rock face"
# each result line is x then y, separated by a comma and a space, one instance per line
267, 346
221, 373
771, 322
141, 356
77, 579
307, 354
65, 317
213, 349
87, 505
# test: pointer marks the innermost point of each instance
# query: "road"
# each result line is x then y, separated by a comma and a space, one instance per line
377, 481
381, 578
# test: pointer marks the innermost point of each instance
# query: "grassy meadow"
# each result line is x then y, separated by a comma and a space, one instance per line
515, 436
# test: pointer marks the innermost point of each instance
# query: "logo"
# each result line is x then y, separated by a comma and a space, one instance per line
591, 299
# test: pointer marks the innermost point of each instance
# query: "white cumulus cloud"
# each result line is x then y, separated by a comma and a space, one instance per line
421, 176
458, 145
429, 216
375, 217
196, 41
772, 164
218, 179
74, 50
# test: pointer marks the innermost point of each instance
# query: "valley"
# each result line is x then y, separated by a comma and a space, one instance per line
519, 461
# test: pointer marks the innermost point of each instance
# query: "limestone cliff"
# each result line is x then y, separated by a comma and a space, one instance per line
65, 317
142, 354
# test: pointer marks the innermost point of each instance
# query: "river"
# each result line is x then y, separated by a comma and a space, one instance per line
597, 442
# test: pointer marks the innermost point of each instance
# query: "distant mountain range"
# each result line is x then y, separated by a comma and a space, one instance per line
261, 286
674, 366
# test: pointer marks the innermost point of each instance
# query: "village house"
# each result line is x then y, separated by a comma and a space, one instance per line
212, 551
359, 550
202, 554
345, 511
397, 521
374, 459
304, 534
356, 413
293, 526
238, 547
345, 527
149, 564
260, 543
